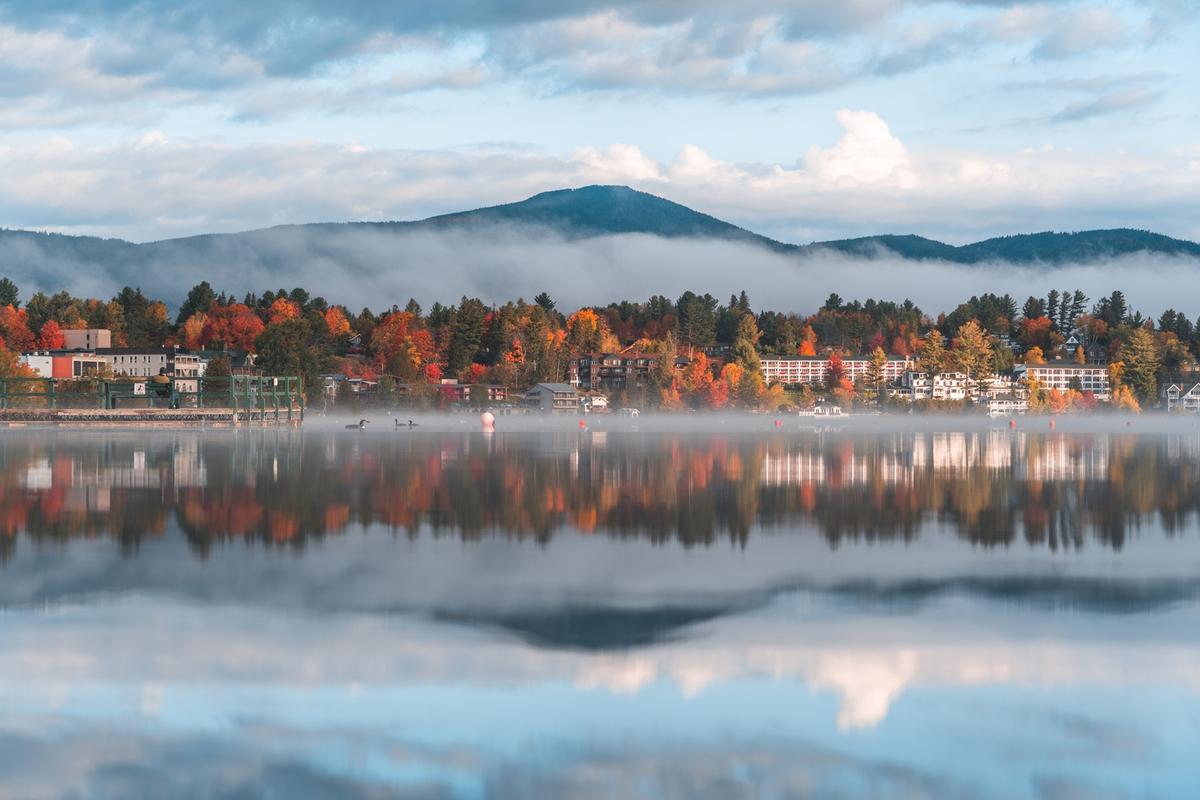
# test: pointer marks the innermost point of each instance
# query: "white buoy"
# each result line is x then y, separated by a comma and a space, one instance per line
488, 420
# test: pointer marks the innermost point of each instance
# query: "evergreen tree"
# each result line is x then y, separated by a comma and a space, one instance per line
973, 353
200, 298
876, 376
1141, 358
466, 334
934, 358
10, 295
745, 344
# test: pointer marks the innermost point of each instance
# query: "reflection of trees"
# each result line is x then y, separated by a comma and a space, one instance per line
287, 489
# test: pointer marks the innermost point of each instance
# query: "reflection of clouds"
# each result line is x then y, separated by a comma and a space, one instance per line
868, 661
866, 686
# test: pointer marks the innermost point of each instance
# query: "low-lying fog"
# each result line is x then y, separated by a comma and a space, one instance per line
362, 266
379, 423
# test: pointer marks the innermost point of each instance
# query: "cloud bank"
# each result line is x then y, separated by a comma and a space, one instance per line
365, 266
867, 181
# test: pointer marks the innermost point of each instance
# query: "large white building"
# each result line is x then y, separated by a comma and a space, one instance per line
1064, 375
815, 370
147, 362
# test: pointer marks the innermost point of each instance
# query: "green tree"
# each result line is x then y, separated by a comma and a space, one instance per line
10, 295
200, 298
934, 358
664, 366
973, 353
876, 375
292, 347
466, 334
387, 391
745, 344
1141, 357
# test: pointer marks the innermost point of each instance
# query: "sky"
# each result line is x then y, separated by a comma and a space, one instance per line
800, 119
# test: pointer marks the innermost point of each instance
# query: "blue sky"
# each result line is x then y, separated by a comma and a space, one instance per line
802, 119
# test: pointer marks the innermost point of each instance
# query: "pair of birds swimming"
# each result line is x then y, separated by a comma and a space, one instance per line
362, 425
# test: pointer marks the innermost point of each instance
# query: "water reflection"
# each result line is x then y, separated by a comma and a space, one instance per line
301, 614
1052, 490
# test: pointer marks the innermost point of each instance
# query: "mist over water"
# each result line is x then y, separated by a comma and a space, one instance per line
364, 266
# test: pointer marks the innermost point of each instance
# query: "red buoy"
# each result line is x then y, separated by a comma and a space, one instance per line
1051, 424
1012, 424
778, 423
582, 425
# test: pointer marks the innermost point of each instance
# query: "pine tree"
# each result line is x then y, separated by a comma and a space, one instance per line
745, 344
934, 358
876, 375
973, 354
1141, 358
9, 294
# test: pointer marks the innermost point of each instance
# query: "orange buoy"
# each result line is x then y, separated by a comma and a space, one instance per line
1051, 424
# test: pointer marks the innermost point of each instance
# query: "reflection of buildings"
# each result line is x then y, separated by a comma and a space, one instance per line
1066, 458
958, 451
792, 469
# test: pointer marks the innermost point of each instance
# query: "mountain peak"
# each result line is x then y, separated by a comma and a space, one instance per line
601, 209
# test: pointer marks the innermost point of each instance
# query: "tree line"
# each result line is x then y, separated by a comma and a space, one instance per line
707, 351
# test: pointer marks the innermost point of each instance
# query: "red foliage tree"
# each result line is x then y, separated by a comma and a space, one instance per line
235, 325
51, 337
14, 329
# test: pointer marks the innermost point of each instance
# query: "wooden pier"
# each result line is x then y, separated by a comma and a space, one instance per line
192, 402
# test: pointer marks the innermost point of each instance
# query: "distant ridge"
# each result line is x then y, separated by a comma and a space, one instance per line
277, 256
1028, 248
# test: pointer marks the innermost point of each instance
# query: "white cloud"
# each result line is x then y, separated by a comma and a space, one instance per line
867, 153
867, 181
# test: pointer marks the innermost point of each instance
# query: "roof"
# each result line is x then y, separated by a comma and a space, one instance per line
142, 351
1062, 364
556, 387
863, 357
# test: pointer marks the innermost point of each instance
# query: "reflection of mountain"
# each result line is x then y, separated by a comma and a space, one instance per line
593, 628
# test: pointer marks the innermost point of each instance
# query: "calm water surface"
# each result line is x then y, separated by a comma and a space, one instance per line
738, 612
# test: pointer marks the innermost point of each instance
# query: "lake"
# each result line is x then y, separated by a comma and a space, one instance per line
700, 607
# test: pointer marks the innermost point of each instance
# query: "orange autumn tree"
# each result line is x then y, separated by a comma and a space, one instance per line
282, 310
51, 337
336, 322
235, 326
401, 348
14, 329
587, 332
191, 333
808, 341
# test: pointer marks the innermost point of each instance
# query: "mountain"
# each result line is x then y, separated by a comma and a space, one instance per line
603, 210
1030, 248
551, 240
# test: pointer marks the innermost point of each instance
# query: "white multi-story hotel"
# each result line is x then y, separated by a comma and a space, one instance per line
1063, 375
815, 370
